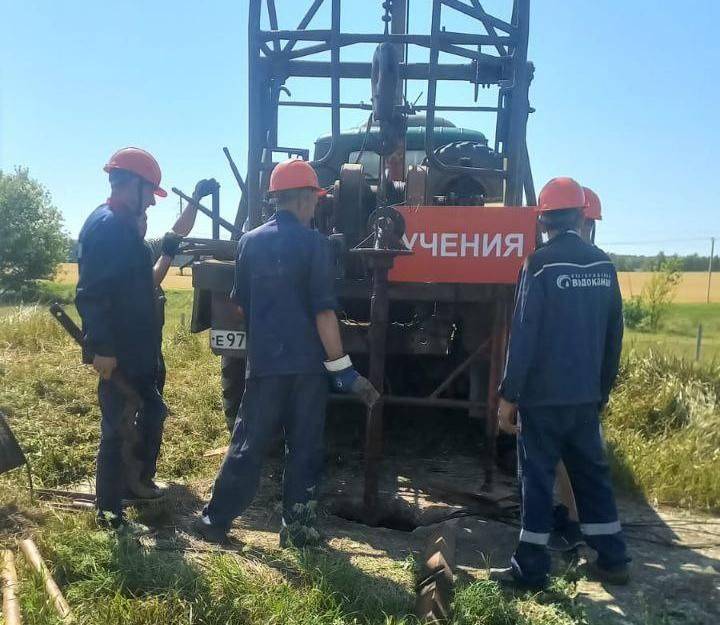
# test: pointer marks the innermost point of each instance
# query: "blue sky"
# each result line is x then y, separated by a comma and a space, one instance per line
626, 96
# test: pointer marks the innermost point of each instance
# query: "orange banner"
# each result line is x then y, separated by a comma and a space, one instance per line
465, 244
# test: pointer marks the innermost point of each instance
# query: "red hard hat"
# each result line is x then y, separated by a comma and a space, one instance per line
560, 194
294, 174
593, 208
138, 162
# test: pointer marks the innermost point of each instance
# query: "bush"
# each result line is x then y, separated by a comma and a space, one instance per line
634, 312
647, 311
32, 241
660, 291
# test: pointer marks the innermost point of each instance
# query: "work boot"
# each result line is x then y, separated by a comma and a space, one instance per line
566, 539
121, 525
146, 488
507, 578
161, 488
615, 576
210, 532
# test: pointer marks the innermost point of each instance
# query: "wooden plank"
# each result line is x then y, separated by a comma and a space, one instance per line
64, 494
220, 451
11, 606
33, 557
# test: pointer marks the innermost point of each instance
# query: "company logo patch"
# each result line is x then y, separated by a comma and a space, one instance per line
584, 280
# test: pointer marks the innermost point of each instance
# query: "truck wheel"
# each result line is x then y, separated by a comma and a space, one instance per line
232, 377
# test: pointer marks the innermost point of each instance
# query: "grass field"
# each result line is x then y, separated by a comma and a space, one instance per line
50, 400
664, 412
679, 331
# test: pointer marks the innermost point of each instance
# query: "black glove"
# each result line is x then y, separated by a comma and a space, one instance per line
171, 243
205, 187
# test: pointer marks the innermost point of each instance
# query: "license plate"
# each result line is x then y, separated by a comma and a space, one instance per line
227, 339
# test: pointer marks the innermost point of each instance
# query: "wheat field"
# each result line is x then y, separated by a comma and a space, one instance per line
693, 289
67, 273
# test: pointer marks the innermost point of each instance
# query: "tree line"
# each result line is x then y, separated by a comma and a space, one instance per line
692, 262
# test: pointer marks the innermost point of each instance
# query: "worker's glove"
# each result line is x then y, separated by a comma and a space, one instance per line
171, 243
345, 379
205, 187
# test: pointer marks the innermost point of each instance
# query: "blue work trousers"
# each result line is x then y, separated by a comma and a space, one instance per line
294, 404
148, 427
571, 433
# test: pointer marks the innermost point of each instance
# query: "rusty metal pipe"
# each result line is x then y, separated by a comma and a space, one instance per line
377, 336
418, 402
460, 369
497, 358
206, 211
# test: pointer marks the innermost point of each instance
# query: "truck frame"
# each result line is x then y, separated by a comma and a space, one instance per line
441, 323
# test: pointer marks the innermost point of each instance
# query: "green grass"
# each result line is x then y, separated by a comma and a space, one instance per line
484, 602
42, 292
663, 422
663, 425
50, 399
109, 580
678, 333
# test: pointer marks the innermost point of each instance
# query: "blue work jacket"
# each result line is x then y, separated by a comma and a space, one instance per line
115, 293
567, 328
283, 279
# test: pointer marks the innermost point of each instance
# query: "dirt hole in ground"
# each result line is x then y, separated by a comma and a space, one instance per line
395, 515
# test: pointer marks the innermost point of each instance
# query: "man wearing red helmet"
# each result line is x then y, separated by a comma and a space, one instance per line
116, 301
562, 361
591, 215
566, 534
162, 251
284, 286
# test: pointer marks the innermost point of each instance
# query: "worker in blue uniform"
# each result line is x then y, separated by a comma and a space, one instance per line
567, 535
562, 361
284, 287
115, 299
162, 251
